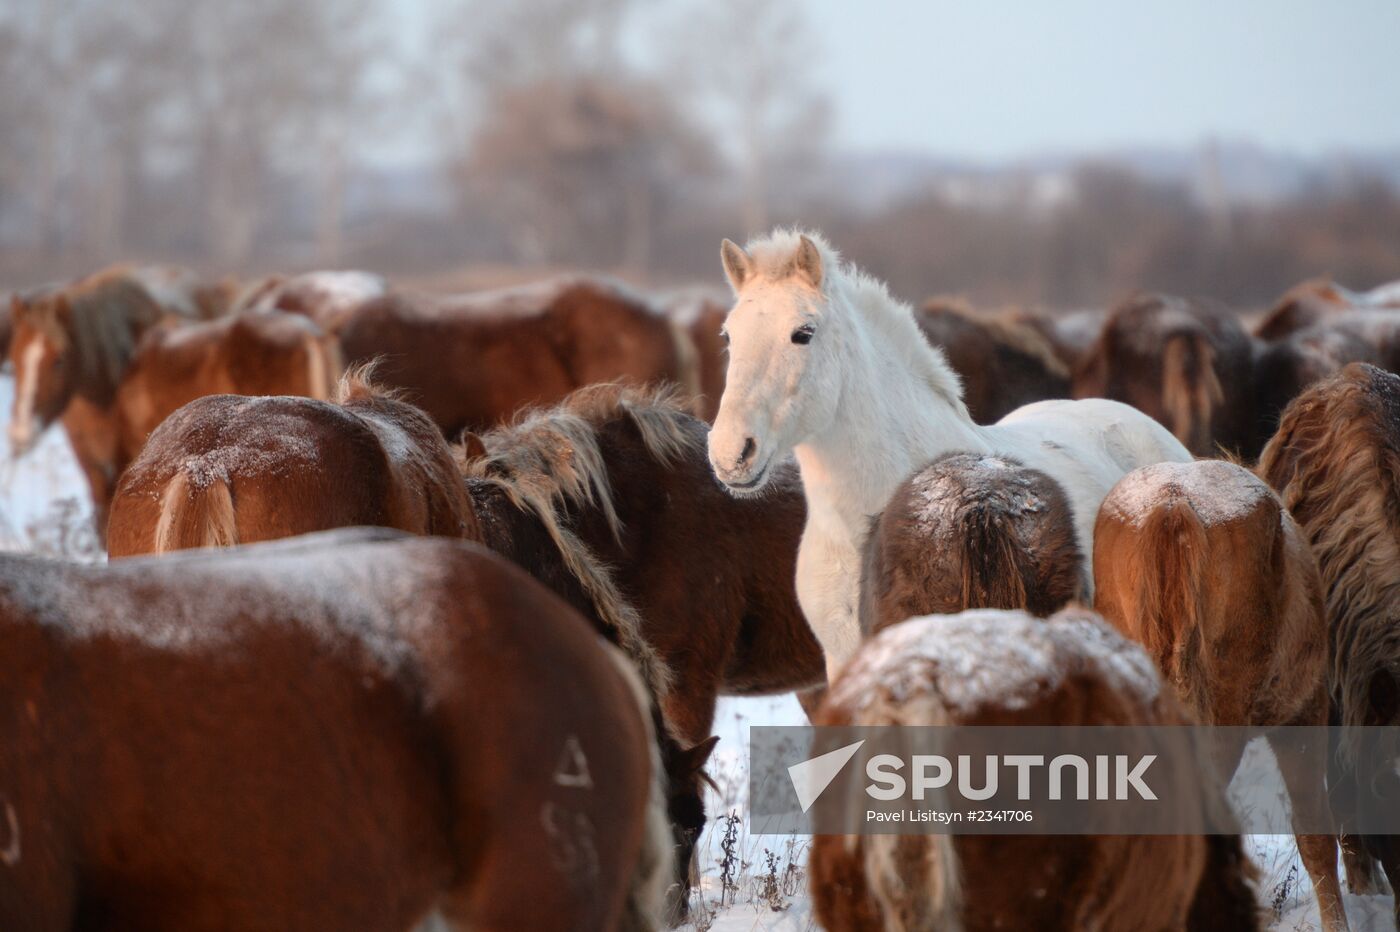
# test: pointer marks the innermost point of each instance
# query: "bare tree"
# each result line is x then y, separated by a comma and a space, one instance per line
572, 161
750, 65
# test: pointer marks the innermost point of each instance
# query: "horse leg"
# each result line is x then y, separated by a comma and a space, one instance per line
690, 705
828, 585
1363, 876
1304, 769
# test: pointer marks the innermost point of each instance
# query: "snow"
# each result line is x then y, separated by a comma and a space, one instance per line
1218, 491
45, 505
943, 488
991, 656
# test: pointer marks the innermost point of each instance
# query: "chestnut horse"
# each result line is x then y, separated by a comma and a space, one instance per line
228, 469
1187, 363
471, 361
616, 481
304, 735
702, 316
1200, 563
989, 667
1313, 302
328, 298
1003, 364
1335, 462
970, 530
72, 344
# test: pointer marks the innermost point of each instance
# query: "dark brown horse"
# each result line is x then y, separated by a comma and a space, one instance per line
1003, 364
970, 530
973, 669
1200, 563
71, 347
1186, 363
1335, 462
307, 735
1290, 364
228, 469
472, 361
609, 497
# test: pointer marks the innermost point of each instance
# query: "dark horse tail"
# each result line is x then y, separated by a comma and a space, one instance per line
1190, 389
195, 516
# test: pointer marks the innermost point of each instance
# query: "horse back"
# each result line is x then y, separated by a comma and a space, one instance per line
313, 723
289, 465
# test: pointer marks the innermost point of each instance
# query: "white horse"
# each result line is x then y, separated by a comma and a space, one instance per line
823, 363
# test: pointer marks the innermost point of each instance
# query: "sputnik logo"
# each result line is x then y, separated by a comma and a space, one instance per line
811, 777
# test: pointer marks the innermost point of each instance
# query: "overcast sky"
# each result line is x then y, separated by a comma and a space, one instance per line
988, 79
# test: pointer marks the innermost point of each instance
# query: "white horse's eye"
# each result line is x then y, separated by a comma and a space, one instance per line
803, 335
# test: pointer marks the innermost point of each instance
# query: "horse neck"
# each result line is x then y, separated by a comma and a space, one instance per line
889, 422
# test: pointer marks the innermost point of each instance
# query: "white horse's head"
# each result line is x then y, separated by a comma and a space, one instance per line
784, 377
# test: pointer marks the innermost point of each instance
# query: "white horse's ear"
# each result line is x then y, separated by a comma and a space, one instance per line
737, 265
808, 261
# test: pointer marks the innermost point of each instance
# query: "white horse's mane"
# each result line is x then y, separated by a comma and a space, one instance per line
772, 258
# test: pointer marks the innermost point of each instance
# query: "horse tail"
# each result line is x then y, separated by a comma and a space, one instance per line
914, 879
324, 365
1190, 389
646, 896
687, 374
195, 517
995, 569
1171, 555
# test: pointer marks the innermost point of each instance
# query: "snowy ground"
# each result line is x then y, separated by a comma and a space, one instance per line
44, 507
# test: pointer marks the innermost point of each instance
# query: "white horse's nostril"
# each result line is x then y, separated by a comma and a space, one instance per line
746, 454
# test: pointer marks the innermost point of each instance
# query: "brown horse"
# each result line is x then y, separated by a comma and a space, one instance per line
1071, 335
306, 735
1200, 563
1290, 364
1003, 364
610, 498
702, 316
328, 298
227, 469
1304, 305
1186, 363
970, 530
918, 672
70, 348
1335, 462
472, 361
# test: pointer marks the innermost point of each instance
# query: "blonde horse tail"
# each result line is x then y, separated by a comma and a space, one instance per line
195, 517
652, 879
914, 879
687, 374
1190, 389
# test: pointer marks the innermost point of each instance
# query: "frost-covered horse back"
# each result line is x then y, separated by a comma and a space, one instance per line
823, 363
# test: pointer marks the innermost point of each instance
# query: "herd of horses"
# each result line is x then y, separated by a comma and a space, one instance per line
497, 555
